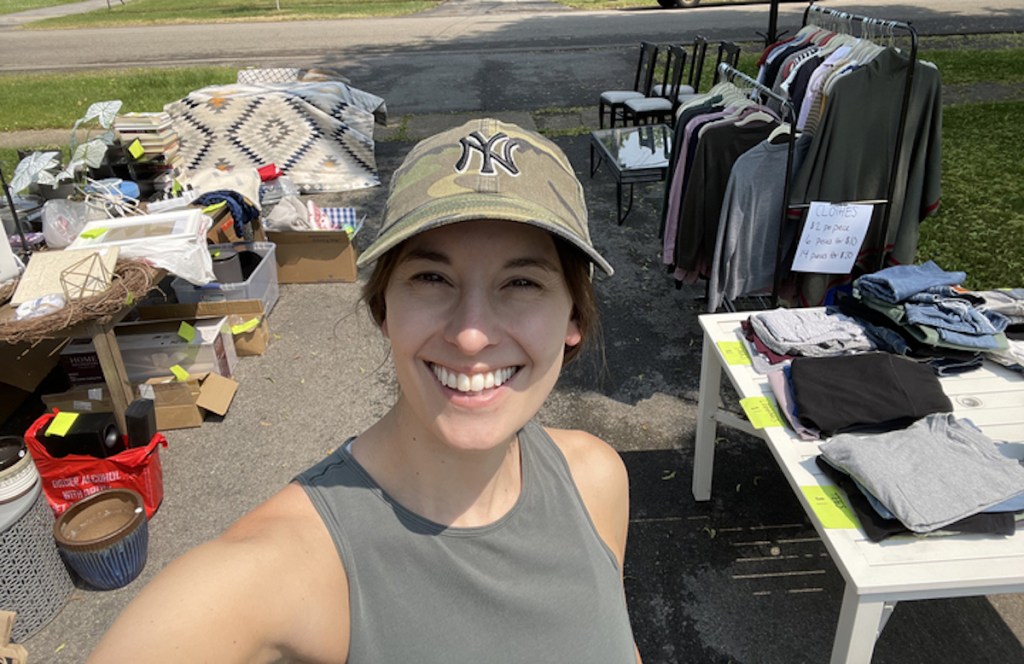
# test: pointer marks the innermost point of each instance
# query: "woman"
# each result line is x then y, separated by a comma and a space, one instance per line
455, 529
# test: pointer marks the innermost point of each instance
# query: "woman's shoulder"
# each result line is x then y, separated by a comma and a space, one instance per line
588, 456
602, 482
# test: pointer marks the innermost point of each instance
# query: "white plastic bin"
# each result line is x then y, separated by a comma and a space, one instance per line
261, 284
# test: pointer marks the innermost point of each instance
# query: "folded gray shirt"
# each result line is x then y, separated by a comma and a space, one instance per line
936, 471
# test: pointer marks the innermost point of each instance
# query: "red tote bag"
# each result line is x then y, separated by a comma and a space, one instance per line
68, 479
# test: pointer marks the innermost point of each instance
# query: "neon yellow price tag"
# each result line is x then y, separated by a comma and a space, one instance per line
734, 352
761, 412
135, 149
247, 326
179, 373
830, 506
61, 423
187, 332
214, 207
93, 233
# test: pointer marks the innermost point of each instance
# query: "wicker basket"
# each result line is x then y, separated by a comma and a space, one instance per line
33, 579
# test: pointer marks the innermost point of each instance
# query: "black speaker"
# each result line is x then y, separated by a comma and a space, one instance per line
140, 420
94, 434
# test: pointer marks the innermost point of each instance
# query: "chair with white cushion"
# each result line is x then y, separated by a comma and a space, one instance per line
611, 101
659, 106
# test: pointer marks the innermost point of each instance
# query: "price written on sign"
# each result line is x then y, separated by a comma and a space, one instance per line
832, 236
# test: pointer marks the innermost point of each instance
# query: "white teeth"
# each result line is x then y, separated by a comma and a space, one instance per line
476, 382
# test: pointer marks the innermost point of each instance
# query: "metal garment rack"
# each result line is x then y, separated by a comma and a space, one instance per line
876, 26
788, 114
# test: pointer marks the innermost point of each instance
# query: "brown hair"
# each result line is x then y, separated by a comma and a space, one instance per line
576, 267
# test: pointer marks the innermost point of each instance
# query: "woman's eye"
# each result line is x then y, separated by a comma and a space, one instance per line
428, 278
523, 283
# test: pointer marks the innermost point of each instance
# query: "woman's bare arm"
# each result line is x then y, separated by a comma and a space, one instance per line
271, 585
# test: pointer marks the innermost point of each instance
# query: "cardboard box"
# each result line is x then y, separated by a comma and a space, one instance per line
10, 653
92, 398
178, 404
151, 349
305, 257
249, 327
13, 654
184, 404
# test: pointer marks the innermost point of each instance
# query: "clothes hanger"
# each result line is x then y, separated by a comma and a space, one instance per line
784, 129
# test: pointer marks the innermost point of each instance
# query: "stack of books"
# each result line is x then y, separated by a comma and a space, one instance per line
147, 137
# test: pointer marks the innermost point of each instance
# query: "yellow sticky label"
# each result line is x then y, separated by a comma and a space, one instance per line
214, 206
187, 332
176, 188
179, 373
761, 412
130, 300
734, 352
830, 506
61, 423
93, 233
215, 253
247, 326
135, 149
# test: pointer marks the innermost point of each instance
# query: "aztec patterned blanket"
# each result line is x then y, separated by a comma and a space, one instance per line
319, 133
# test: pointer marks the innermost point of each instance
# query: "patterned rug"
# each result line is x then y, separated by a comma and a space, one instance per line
319, 133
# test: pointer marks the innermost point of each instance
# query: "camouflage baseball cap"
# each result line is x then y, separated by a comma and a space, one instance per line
485, 170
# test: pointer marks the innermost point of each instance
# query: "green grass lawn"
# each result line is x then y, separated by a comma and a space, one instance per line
152, 12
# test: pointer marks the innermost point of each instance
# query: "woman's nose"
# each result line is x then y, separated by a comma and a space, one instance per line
473, 325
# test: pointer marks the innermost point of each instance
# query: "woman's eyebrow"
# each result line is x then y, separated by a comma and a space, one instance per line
530, 261
424, 254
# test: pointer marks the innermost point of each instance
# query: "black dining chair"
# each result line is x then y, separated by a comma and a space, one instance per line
611, 101
661, 104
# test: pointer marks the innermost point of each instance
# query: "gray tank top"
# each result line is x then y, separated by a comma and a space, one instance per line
538, 585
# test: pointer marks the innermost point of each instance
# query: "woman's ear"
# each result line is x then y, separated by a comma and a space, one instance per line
573, 336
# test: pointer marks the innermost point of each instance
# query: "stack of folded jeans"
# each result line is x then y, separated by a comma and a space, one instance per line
943, 324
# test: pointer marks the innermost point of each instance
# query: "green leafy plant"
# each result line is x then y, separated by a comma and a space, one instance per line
86, 151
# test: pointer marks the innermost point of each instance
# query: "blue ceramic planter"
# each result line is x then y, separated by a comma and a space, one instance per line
105, 538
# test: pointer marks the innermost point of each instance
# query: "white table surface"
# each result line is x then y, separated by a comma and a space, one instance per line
877, 574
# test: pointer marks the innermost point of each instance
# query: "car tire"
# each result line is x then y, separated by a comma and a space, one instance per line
667, 4
687, 3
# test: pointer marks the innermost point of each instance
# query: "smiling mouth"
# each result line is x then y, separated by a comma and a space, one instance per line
472, 382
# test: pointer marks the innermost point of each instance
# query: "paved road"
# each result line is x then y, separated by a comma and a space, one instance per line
467, 55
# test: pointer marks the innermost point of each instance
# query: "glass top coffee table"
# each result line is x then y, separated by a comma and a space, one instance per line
636, 155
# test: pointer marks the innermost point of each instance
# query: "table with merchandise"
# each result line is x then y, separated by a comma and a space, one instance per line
877, 574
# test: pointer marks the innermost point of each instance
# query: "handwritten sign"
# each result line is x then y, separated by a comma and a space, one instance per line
761, 412
831, 237
830, 506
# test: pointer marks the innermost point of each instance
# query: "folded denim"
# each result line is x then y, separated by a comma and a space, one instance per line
956, 315
897, 283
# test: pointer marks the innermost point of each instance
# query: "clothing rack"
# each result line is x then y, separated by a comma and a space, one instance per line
876, 26
787, 114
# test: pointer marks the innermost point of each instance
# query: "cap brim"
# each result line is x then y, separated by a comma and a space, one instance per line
475, 207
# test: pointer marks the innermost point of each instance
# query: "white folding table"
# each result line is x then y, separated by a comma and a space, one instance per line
877, 574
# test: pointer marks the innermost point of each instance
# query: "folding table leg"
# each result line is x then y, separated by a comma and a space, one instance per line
860, 621
707, 405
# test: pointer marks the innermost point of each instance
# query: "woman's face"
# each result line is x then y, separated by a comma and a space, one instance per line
478, 315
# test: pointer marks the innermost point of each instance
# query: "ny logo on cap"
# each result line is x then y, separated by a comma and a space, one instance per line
488, 149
